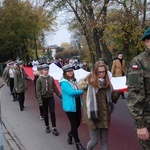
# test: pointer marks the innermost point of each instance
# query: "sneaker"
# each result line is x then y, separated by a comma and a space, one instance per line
41, 118
54, 131
47, 130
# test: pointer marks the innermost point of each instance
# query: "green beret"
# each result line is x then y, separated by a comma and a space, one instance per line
146, 34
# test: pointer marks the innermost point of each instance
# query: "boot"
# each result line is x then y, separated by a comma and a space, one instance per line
69, 140
14, 98
122, 95
48, 129
79, 146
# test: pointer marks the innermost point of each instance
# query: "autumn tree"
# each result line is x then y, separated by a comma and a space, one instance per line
125, 27
22, 29
106, 24
89, 18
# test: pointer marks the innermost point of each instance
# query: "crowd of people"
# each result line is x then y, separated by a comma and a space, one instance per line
93, 93
71, 95
60, 63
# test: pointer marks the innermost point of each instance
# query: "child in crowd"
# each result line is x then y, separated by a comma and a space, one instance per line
38, 73
45, 88
71, 101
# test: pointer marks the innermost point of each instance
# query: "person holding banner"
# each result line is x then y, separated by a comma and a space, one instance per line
97, 104
20, 86
45, 89
71, 102
138, 100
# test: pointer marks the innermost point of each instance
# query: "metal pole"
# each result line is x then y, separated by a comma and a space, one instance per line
1, 144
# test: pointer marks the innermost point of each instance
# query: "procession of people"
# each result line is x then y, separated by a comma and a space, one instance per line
93, 93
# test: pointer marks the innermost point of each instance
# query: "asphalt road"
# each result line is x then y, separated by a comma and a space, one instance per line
28, 131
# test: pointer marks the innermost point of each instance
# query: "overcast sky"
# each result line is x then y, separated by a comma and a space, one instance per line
61, 36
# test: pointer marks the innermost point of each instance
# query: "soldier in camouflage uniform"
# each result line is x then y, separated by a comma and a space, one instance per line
138, 100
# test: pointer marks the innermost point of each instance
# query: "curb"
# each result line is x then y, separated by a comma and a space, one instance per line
10, 137
11, 143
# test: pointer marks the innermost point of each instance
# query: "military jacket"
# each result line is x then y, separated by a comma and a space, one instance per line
20, 78
5, 75
41, 90
138, 81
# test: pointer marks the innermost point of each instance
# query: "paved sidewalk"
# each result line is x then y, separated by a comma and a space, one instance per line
7, 141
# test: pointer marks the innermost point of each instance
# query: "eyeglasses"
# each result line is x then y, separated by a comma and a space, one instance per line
101, 72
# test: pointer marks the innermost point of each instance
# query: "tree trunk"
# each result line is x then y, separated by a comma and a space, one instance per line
108, 55
97, 43
36, 49
91, 50
144, 13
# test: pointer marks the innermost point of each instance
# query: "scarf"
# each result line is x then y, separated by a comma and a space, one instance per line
74, 84
91, 103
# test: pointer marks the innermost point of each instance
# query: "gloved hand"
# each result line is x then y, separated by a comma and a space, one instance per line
115, 96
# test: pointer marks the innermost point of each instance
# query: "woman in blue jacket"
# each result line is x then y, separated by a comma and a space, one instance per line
71, 102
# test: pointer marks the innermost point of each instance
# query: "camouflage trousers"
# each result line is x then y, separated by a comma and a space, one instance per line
145, 144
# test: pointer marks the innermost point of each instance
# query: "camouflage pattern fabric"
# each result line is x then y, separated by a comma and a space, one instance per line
138, 100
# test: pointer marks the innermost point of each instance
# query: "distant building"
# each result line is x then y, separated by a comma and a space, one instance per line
51, 50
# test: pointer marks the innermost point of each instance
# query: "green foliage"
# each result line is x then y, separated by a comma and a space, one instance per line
22, 28
108, 26
59, 49
67, 54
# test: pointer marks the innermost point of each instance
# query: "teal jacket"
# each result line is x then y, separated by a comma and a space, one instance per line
68, 95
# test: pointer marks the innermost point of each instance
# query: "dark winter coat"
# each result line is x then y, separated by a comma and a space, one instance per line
103, 110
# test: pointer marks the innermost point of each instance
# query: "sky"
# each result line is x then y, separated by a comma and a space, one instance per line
61, 36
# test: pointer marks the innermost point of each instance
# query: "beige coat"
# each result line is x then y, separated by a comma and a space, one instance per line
117, 69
